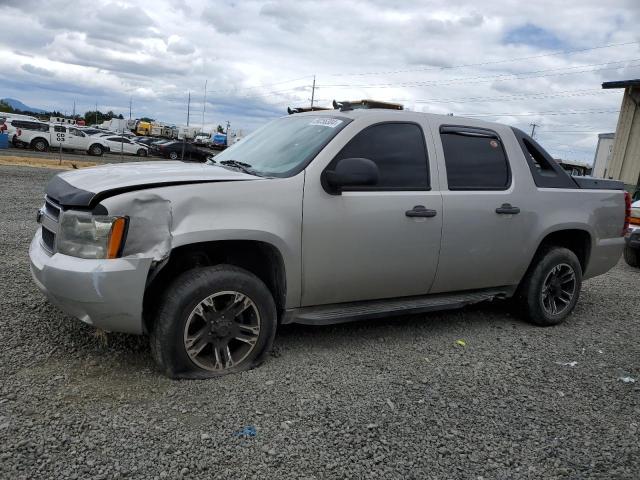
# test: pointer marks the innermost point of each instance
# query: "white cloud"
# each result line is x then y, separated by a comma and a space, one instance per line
108, 51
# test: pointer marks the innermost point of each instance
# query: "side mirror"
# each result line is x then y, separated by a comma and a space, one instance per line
351, 172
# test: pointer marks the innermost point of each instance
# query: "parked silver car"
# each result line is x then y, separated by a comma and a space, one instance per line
317, 218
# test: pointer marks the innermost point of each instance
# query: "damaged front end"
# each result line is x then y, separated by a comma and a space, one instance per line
100, 285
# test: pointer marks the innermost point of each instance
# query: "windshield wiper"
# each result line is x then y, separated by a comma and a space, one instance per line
242, 166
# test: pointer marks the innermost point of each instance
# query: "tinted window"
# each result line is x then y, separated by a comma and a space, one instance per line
475, 160
34, 126
59, 128
398, 149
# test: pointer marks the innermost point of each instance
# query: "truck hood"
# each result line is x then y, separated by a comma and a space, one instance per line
87, 187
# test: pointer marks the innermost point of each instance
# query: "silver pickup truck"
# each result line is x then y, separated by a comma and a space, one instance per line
318, 218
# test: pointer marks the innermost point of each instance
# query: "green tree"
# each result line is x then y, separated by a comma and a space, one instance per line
219, 129
5, 107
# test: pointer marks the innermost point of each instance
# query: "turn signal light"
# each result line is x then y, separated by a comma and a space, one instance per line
116, 237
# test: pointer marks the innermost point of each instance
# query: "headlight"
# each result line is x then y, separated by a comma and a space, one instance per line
91, 236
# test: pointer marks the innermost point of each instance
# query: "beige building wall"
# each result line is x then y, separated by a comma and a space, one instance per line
625, 161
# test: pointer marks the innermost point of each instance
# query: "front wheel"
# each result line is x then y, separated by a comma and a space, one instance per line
632, 256
96, 150
173, 155
551, 288
142, 152
213, 321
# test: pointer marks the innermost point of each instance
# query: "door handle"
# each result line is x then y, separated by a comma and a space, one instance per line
420, 211
507, 209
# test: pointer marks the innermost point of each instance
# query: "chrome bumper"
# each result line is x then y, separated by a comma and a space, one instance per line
105, 293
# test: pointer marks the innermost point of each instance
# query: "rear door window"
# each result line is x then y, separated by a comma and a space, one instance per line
475, 159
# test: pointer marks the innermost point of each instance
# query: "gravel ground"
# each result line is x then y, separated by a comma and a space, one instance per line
385, 399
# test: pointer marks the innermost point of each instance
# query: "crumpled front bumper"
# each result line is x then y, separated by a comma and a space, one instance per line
105, 293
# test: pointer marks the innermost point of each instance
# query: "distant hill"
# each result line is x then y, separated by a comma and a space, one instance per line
18, 105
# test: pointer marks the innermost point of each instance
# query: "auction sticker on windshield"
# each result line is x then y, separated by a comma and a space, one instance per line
326, 122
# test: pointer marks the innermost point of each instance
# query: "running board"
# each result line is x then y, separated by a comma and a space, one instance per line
350, 312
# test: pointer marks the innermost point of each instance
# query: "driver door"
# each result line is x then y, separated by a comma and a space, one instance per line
364, 243
59, 136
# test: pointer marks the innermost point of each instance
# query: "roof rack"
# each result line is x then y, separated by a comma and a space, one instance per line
366, 103
291, 111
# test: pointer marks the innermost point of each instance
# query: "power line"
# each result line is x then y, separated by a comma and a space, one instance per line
561, 132
535, 113
481, 78
492, 62
514, 97
231, 90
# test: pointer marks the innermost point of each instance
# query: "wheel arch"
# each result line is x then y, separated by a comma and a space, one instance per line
98, 144
261, 258
578, 240
34, 140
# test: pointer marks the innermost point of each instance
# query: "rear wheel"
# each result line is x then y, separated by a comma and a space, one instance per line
96, 150
213, 321
551, 288
142, 152
632, 256
40, 145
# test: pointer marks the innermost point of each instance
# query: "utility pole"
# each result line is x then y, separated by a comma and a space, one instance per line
313, 91
533, 128
96, 113
130, 100
74, 110
204, 103
188, 108
184, 136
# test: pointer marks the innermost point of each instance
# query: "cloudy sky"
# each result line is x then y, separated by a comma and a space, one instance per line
510, 61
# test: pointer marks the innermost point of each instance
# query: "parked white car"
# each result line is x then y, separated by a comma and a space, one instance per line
65, 136
14, 125
119, 143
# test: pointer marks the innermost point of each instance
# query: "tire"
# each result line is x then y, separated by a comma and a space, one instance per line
632, 256
40, 145
173, 155
96, 150
185, 312
543, 290
142, 152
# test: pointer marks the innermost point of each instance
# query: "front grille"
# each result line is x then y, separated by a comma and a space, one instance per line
48, 239
50, 209
49, 223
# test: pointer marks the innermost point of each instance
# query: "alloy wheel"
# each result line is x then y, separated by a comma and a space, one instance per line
558, 289
222, 330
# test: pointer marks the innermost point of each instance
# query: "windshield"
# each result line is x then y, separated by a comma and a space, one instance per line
284, 147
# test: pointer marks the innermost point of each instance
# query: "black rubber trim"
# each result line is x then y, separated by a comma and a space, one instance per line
589, 183
67, 195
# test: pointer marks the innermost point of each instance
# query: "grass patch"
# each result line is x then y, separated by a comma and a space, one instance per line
45, 163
